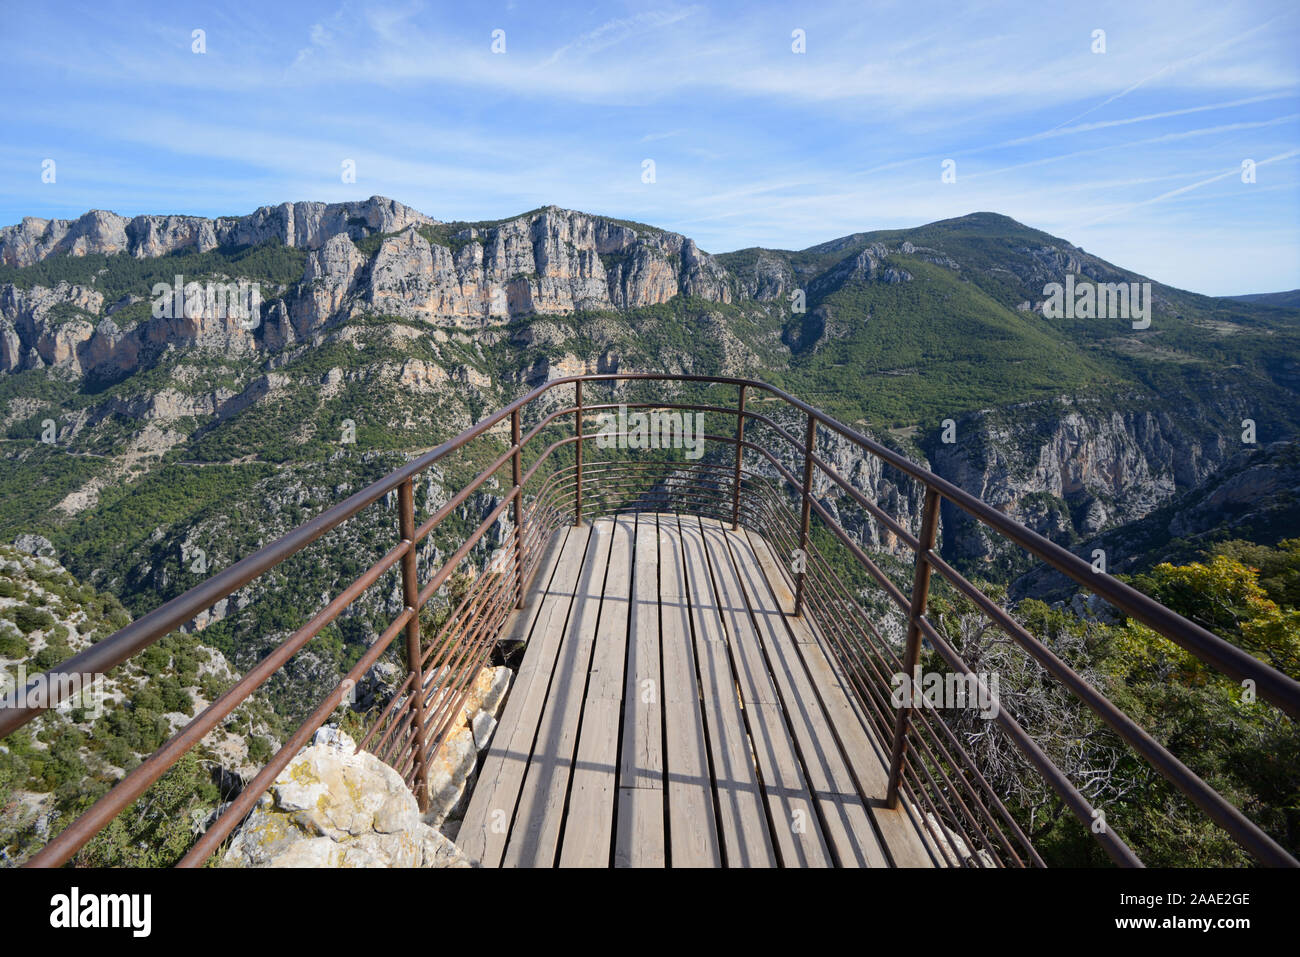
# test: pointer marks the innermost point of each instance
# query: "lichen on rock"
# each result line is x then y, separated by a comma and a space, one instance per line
334, 806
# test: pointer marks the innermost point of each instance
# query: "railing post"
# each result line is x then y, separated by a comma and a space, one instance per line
740, 441
912, 653
577, 426
411, 597
516, 470
808, 444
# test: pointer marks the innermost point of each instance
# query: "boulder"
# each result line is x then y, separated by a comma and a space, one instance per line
30, 544
336, 807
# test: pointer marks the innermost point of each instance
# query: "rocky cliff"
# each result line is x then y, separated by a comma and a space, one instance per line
549, 262
1065, 469
1068, 470
303, 225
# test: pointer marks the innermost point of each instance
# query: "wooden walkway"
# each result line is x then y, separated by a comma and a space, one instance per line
670, 712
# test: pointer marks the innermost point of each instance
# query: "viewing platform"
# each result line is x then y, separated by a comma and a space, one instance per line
671, 711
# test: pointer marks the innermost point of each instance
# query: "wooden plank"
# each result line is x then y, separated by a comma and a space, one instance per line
640, 838
692, 822
808, 632
908, 844
606, 680
848, 827
743, 828
485, 826
534, 838
778, 583
905, 845
796, 827
589, 820
747, 655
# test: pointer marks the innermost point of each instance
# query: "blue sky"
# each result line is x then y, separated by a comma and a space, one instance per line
1134, 154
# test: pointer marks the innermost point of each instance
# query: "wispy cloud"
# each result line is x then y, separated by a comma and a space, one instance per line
1170, 194
753, 143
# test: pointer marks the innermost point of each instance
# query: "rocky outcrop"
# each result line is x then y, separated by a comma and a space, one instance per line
1068, 470
550, 262
1065, 470
1256, 484
310, 225
869, 265
37, 545
413, 278
768, 277
334, 806
66, 327
303, 225
897, 495
46, 327
329, 279
453, 766
34, 239
1252, 497
159, 235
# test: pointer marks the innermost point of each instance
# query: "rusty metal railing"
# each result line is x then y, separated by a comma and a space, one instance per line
930, 774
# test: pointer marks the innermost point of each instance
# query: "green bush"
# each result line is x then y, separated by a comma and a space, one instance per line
29, 618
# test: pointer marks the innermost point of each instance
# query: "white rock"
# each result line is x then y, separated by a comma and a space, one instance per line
484, 724
336, 807
452, 769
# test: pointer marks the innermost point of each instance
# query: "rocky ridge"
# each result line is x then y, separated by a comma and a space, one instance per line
551, 261
305, 224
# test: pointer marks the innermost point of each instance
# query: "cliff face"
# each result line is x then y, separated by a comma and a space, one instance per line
550, 262
1064, 470
1252, 496
301, 225
67, 328
1068, 471
40, 326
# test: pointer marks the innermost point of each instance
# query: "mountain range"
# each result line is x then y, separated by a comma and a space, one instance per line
134, 440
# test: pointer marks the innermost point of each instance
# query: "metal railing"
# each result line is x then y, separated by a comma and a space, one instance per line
930, 773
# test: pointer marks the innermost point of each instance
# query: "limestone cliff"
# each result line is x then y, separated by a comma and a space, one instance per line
305, 225
549, 262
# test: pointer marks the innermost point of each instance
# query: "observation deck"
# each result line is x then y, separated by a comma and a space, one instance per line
714, 601
670, 710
